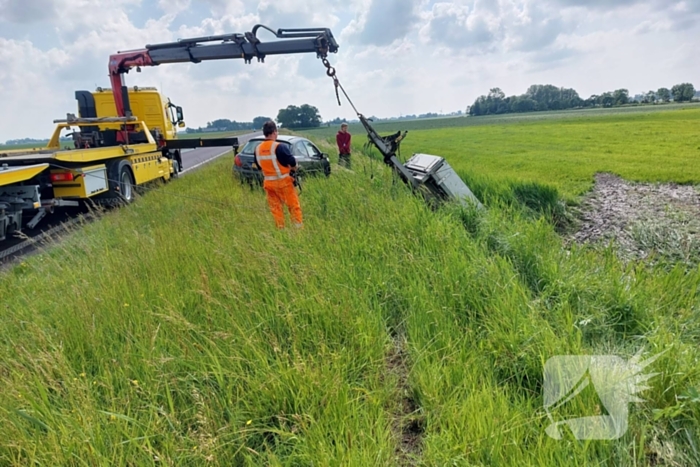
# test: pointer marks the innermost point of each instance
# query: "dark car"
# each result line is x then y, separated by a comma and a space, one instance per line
310, 159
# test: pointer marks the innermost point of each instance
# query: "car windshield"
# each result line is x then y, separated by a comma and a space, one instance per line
250, 146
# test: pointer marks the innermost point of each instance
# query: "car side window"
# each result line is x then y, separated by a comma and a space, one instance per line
300, 149
313, 150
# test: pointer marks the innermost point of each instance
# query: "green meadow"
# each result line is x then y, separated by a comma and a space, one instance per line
559, 149
185, 329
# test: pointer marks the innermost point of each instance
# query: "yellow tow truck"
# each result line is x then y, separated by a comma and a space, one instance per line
105, 158
124, 137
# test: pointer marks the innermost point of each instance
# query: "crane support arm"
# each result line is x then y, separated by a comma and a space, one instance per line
222, 47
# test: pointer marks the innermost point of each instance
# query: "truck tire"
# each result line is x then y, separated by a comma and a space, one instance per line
176, 169
178, 158
121, 183
126, 184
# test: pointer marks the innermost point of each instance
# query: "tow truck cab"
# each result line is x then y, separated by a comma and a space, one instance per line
160, 115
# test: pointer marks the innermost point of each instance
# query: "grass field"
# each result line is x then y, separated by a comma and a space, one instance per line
186, 330
560, 149
10, 147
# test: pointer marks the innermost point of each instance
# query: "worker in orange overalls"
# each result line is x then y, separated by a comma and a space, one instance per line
277, 164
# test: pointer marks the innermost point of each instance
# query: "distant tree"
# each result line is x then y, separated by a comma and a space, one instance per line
550, 97
592, 101
310, 117
289, 116
475, 108
335, 121
537, 97
606, 99
222, 123
683, 92
258, 122
496, 93
523, 104
621, 97
663, 94
305, 116
650, 97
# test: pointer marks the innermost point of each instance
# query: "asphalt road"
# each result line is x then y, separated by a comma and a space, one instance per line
191, 160
194, 158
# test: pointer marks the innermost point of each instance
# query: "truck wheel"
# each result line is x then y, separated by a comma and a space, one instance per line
175, 174
121, 183
178, 158
126, 184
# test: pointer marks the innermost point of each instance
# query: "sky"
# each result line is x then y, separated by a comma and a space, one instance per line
395, 57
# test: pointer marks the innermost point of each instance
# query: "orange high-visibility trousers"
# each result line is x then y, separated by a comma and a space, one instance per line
280, 193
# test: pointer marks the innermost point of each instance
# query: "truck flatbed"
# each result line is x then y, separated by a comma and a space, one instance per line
11, 175
78, 155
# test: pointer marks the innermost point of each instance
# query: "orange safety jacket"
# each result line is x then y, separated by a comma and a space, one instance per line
267, 161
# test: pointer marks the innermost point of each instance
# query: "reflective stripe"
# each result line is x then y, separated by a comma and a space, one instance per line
276, 177
279, 173
273, 150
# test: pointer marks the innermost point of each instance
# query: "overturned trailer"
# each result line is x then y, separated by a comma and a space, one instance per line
428, 174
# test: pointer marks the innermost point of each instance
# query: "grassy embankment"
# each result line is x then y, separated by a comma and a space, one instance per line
185, 330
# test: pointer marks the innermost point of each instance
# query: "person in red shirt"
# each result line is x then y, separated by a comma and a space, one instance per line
343, 139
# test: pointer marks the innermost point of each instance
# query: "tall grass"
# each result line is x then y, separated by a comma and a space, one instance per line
186, 330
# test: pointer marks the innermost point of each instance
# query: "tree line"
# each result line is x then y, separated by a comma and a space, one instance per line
223, 124
541, 97
25, 141
303, 116
292, 117
538, 97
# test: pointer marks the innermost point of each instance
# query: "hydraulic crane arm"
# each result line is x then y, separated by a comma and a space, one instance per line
227, 46
388, 146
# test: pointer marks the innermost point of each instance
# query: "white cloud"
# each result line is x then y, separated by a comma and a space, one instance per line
396, 56
27, 11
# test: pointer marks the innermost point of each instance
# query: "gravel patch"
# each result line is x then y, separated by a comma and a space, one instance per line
643, 220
